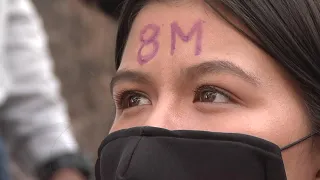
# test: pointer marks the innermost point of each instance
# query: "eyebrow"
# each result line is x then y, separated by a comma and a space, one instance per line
129, 76
219, 66
190, 73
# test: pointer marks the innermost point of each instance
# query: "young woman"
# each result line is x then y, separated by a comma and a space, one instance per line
215, 90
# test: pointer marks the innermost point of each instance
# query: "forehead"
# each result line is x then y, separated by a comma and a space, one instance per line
166, 37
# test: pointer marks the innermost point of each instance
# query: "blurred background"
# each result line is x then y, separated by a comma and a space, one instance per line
82, 43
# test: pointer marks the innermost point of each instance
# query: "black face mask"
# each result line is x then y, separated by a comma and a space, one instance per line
149, 153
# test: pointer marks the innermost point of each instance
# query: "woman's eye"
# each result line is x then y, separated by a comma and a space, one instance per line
211, 94
130, 99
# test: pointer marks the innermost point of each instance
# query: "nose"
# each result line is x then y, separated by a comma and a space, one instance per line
165, 114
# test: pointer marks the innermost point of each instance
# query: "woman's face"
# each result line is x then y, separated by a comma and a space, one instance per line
185, 68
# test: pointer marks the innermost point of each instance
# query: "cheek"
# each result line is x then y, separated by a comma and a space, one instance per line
256, 122
271, 122
280, 124
131, 118
298, 162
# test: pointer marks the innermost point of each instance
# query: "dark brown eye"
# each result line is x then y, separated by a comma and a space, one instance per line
130, 99
210, 94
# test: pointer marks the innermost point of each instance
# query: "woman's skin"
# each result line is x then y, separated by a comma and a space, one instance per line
217, 81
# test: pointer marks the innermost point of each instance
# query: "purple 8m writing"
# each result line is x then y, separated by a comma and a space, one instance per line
175, 31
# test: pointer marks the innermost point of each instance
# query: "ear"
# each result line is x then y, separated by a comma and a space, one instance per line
317, 176
316, 155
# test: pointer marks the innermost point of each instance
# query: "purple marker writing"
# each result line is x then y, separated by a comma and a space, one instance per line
142, 59
177, 31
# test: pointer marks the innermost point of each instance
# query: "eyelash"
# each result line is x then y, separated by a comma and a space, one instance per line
213, 88
121, 97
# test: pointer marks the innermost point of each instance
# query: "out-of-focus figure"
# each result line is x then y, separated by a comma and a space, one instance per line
33, 115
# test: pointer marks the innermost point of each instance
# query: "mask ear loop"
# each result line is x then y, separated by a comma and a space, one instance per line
299, 141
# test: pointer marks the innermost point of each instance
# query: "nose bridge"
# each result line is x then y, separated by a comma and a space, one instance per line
166, 110
165, 113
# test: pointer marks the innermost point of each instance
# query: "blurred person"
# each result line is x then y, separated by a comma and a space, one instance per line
215, 90
4, 168
33, 115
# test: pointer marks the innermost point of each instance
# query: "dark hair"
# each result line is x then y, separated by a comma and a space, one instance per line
109, 7
288, 30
